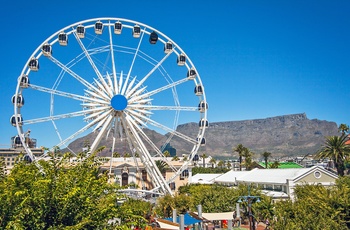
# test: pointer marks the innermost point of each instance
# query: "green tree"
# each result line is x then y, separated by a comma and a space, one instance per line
75, 197
204, 156
335, 148
343, 128
175, 158
166, 153
240, 150
2, 168
212, 162
266, 156
248, 161
275, 164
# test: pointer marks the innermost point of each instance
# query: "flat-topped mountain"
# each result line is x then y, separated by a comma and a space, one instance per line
282, 135
287, 135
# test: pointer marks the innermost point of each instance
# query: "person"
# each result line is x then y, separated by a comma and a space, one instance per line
267, 223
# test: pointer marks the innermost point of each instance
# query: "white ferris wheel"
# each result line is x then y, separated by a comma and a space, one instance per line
115, 78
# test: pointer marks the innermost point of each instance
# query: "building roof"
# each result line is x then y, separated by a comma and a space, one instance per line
230, 176
204, 178
283, 165
271, 176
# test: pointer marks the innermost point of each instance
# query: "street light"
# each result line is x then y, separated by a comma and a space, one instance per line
250, 199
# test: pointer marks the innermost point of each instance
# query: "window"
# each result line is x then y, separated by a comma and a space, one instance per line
172, 186
144, 175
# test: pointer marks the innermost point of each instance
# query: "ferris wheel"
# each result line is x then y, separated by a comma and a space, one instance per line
115, 78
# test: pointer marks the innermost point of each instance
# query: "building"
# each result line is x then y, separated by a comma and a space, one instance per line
131, 172
276, 183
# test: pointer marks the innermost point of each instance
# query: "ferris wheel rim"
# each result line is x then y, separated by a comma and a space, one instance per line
108, 22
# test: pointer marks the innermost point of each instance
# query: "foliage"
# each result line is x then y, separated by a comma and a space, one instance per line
315, 207
2, 168
343, 128
196, 170
63, 197
336, 149
239, 149
266, 156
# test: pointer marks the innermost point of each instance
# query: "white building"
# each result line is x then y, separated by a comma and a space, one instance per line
276, 183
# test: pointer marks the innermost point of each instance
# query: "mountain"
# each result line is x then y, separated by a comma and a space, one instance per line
287, 135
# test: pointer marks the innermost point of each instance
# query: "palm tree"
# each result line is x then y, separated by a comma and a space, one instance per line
162, 166
212, 162
343, 128
166, 153
175, 158
239, 149
203, 157
266, 156
335, 149
247, 154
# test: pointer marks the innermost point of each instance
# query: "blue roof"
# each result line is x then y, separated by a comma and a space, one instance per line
188, 219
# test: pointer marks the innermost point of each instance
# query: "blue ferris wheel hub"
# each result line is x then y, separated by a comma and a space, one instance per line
119, 102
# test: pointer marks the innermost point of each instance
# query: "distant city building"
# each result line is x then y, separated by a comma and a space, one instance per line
170, 149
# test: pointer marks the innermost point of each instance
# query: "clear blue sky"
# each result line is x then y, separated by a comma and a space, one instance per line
257, 59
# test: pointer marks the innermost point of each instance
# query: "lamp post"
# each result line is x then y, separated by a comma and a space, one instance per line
250, 199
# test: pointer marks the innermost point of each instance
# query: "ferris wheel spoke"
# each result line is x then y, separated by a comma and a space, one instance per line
155, 107
102, 131
64, 94
72, 73
172, 131
74, 135
155, 171
113, 60
153, 92
132, 63
92, 63
147, 75
150, 142
56, 117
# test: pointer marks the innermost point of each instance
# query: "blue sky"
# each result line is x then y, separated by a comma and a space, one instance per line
256, 59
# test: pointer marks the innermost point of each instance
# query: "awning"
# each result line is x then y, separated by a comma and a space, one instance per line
188, 219
218, 216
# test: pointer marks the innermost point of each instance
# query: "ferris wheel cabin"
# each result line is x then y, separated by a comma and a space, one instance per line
24, 81
181, 59
198, 90
203, 123
168, 47
63, 39
47, 50
153, 38
17, 117
98, 27
203, 106
80, 31
136, 31
202, 141
33, 64
191, 74
118, 27
20, 100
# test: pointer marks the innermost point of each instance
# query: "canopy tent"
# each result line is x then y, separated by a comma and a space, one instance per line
218, 216
188, 219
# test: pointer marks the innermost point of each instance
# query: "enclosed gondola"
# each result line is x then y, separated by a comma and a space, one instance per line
203, 106
136, 31
17, 117
47, 50
181, 59
80, 31
203, 123
118, 26
198, 90
24, 81
20, 100
191, 74
202, 141
98, 27
16, 142
153, 38
33, 64
63, 39
168, 47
